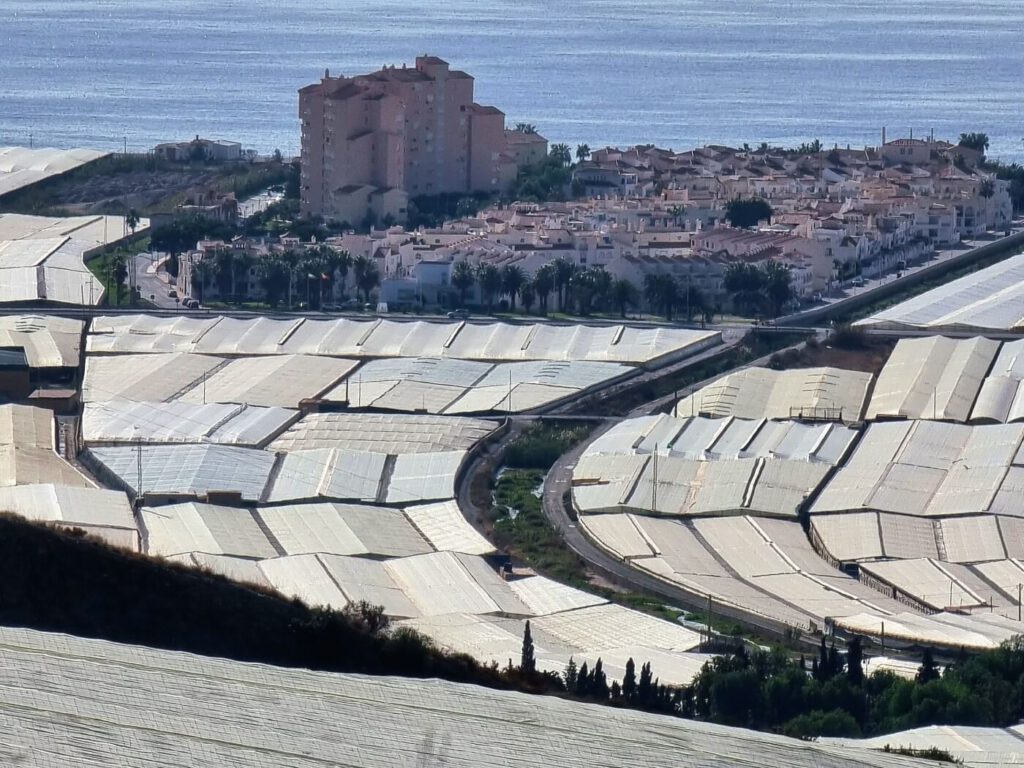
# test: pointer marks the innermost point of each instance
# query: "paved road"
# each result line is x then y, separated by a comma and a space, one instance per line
152, 282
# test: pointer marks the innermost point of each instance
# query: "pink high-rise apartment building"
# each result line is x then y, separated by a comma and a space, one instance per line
372, 142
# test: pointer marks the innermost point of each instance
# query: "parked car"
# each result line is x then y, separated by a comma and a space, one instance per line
459, 314
172, 293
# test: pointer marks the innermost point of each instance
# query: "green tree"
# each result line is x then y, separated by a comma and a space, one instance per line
367, 276
745, 284
747, 212
202, 272
582, 152
855, 662
563, 272
662, 294
526, 128
928, 670
132, 220
528, 295
527, 662
489, 277
976, 141
543, 283
629, 682
623, 295
274, 276
778, 285
570, 675
987, 188
512, 279
561, 154
463, 278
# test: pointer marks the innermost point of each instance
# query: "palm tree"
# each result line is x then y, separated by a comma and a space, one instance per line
463, 278
526, 127
274, 275
624, 295
528, 295
240, 264
602, 283
132, 220
367, 275
543, 284
588, 285
512, 279
203, 270
564, 270
224, 259
662, 293
561, 153
490, 283
582, 152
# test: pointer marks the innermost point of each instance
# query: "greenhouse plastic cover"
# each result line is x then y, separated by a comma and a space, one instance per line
346, 337
42, 258
49, 341
22, 166
932, 377
754, 393
93, 702
189, 469
974, 747
989, 299
125, 421
383, 433
282, 380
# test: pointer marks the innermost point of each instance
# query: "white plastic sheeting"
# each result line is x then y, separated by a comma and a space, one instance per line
990, 299
187, 470
925, 468
446, 528
383, 433
766, 568
346, 337
100, 703
101, 512
21, 167
27, 457
445, 582
342, 529
144, 378
179, 529
932, 378
755, 393
43, 259
49, 341
280, 380
454, 386
123, 421
972, 747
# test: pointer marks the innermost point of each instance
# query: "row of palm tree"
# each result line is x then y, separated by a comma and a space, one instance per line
577, 290
303, 274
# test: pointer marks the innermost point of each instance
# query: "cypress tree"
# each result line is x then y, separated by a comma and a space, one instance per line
629, 682
599, 686
583, 681
928, 670
527, 663
855, 662
570, 675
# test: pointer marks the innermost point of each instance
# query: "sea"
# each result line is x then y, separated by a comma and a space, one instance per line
110, 74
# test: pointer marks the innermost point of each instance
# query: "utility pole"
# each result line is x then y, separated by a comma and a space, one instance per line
1019, 588
138, 469
654, 485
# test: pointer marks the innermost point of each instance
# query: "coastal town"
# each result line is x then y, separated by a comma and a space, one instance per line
443, 416
643, 229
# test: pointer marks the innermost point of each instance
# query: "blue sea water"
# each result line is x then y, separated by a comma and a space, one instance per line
676, 73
